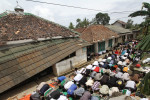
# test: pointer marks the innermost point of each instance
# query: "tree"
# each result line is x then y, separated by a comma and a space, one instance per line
129, 24
93, 21
102, 18
83, 23
143, 13
71, 26
144, 44
145, 84
78, 20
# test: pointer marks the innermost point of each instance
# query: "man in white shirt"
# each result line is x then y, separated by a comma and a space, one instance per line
62, 97
96, 63
77, 71
82, 71
78, 77
119, 75
90, 82
89, 67
125, 76
68, 85
131, 85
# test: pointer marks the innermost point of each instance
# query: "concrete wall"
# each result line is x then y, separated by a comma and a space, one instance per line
96, 47
117, 24
120, 39
106, 44
68, 64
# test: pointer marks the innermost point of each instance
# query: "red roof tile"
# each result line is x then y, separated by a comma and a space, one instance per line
27, 26
95, 33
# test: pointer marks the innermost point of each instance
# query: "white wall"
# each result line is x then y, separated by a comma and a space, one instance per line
64, 66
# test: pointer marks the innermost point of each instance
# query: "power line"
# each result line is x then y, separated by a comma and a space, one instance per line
78, 7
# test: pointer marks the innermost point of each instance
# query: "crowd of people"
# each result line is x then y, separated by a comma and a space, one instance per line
107, 77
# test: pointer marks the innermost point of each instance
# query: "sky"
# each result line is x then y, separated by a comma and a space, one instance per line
65, 15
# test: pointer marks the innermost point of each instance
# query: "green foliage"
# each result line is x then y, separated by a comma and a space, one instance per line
80, 23
139, 13
140, 36
93, 21
144, 44
129, 24
145, 84
83, 23
71, 26
146, 13
142, 12
102, 18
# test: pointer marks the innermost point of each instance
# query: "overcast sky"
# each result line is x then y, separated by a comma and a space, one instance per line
65, 15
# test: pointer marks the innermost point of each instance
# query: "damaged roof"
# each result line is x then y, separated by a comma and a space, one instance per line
19, 62
22, 26
96, 33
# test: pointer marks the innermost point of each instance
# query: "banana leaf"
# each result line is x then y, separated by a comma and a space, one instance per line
144, 44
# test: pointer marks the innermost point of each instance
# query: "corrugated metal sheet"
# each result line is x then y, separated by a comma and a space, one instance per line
119, 30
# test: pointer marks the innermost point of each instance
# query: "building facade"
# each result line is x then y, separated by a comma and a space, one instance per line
30, 44
101, 38
70, 62
124, 34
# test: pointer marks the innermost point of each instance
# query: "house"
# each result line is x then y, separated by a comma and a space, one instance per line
30, 44
124, 34
136, 33
101, 38
120, 23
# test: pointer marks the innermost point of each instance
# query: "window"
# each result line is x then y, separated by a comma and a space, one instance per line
101, 46
116, 40
72, 55
110, 43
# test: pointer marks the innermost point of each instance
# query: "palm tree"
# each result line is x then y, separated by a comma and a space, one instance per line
144, 44
143, 13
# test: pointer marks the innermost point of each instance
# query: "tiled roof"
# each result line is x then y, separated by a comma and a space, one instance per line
22, 62
118, 29
95, 33
15, 27
121, 22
